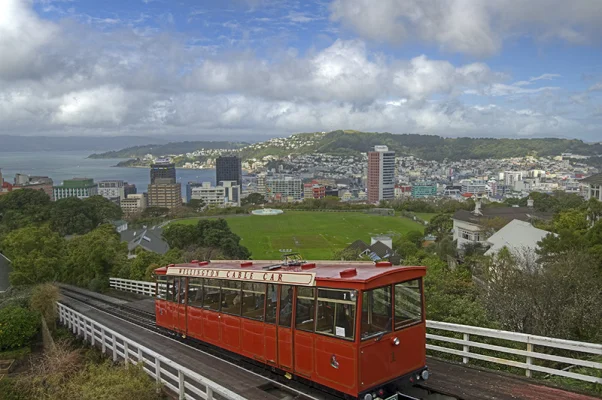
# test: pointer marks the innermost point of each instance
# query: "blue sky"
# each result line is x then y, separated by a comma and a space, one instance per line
252, 68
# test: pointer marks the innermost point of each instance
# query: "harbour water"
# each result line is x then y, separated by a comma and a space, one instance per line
70, 164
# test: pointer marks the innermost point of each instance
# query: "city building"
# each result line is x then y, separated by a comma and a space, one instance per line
227, 194
593, 189
381, 174
42, 183
314, 191
81, 188
129, 188
424, 189
112, 189
5, 187
286, 189
510, 177
474, 186
189, 187
228, 168
164, 193
402, 191
163, 169
134, 204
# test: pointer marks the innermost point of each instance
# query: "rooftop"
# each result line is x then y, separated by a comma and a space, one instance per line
595, 179
324, 270
520, 213
516, 235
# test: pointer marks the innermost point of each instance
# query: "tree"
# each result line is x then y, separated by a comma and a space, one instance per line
415, 237
440, 226
253, 199
196, 204
36, 252
20, 208
102, 210
71, 216
347, 254
92, 257
181, 236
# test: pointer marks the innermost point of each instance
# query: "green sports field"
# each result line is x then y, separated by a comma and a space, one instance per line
316, 235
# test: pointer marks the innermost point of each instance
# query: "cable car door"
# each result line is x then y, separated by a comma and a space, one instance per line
284, 328
179, 305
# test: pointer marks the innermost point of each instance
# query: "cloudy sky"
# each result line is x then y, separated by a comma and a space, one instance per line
251, 68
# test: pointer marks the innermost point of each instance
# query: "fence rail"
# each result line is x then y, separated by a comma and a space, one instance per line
128, 285
529, 352
186, 384
450, 345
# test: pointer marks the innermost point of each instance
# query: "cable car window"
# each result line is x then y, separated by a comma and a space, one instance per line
211, 294
336, 312
408, 303
177, 294
253, 299
231, 296
306, 304
162, 287
376, 312
195, 292
271, 303
286, 305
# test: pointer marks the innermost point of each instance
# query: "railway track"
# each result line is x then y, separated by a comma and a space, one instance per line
287, 389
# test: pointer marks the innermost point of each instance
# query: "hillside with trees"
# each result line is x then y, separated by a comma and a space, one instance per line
339, 142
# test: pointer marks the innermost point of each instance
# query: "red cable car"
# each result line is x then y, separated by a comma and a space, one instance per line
356, 328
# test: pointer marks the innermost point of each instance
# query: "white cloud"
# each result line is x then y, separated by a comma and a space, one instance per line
68, 77
596, 87
474, 27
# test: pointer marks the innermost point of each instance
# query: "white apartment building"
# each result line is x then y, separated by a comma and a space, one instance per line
227, 194
112, 189
287, 188
510, 177
134, 204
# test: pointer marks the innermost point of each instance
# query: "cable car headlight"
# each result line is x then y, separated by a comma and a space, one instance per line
395, 341
367, 396
425, 374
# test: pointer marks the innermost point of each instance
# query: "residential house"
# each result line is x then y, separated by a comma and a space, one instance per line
594, 187
378, 250
150, 239
519, 237
470, 227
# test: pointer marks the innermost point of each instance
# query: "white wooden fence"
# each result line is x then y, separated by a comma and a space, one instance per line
128, 285
587, 350
186, 384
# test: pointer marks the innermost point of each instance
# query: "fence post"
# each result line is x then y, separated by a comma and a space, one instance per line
181, 387
140, 358
466, 348
93, 333
530, 348
103, 339
209, 392
158, 373
114, 347
126, 353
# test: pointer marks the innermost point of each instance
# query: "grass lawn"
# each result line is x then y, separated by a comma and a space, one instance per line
425, 216
316, 235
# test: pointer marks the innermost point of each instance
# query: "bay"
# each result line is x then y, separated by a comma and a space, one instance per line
63, 165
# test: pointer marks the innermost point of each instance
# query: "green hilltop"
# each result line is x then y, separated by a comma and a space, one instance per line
350, 142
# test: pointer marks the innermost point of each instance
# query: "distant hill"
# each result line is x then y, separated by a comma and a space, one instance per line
428, 147
11, 143
167, 149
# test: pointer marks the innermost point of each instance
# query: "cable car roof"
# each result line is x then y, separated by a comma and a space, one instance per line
299, 274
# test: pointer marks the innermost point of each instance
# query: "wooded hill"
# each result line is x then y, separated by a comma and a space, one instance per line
428, 147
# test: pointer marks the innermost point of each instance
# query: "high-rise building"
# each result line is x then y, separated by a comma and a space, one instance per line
129, 188
381, 174
228, 168
163, 169
77, 187
164, 193
189, 187
163, 190
112, 189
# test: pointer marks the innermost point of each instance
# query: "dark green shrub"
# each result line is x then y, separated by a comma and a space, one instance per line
43, 300
18, 326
